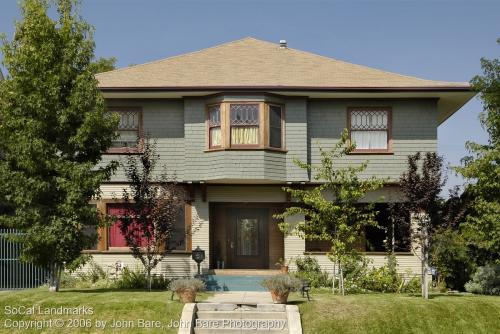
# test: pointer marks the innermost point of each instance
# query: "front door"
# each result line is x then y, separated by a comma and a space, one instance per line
247, 242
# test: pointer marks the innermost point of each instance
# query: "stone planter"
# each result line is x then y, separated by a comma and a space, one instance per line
187, 295
279, 297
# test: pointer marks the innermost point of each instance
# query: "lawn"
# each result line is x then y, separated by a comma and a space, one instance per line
371, 313
107, 305
400, 313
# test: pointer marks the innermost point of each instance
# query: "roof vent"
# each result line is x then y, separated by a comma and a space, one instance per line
283, 43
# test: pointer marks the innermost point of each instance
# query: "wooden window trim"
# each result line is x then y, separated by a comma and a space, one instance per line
388, 150
140, 145
208, 127
103, 231
264, 128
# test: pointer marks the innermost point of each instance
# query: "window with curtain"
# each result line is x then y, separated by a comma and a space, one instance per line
275, 135
244, 124
370, 128
128, 128
214, 124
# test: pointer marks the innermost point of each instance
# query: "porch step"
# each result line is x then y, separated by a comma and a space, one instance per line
234, 282
232, 318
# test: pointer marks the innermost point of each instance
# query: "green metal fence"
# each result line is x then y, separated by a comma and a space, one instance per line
14, 273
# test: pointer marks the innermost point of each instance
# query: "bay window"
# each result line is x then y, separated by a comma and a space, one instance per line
370, 129
245, 125
214, 124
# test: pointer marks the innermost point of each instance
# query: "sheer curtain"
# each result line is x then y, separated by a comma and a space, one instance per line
215, 136
370, 139
244, 135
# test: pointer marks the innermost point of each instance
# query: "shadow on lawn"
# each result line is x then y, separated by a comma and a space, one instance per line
104, 290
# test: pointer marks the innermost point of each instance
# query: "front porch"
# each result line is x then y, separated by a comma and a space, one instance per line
245, 236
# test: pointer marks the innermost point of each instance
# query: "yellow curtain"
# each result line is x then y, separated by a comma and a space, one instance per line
215, 137
245, 135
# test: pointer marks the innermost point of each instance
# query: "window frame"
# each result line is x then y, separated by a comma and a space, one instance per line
263, 130
209, 127
387, 150
282, 123
103, 231
259, 127
129, 150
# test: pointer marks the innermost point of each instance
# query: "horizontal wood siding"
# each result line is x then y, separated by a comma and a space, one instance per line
243, 193
408, 265
296, 138
414, 129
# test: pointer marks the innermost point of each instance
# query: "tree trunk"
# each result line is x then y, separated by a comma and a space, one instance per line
149, 279
425, 265
54, 277
341, 282
333, 280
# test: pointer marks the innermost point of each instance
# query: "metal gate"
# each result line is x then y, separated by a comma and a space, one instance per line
14, 273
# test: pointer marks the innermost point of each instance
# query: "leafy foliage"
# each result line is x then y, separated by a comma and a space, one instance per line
332, 211
452, 257
485, 281
153, 205
54, 129
482, 168
137, 279
308, 269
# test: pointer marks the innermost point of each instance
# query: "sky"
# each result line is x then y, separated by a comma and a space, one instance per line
431, 39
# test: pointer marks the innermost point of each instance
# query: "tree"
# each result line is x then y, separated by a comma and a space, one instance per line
103, 65
332, 209
421, 186
482, 168
53, 131
153, 205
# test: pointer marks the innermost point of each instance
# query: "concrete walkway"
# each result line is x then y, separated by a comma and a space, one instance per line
240, 297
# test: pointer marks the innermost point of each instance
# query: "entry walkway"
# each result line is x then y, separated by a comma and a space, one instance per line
240, 297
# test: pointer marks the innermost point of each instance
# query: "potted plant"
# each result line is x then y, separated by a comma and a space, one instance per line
280, 286
186, 288
283, 264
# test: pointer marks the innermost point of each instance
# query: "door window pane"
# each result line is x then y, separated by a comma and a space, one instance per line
247, 236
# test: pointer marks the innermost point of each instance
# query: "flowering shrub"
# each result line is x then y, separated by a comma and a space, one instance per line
308, 269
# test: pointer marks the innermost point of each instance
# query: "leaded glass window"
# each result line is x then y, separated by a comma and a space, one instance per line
369, 128
128, 128
214, 124
244, 124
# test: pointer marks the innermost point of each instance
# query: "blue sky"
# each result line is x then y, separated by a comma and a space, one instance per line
439, 40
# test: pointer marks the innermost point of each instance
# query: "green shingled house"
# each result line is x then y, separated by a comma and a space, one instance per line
230, 119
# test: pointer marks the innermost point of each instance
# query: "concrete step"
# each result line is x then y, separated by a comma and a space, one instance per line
211, 315
236, 331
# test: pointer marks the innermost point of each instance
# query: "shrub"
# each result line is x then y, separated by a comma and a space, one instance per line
413, 285
281, 283
309, 269
93, 274
68, 281
450, 255
382, 279
131, 279
486, 281
187, 284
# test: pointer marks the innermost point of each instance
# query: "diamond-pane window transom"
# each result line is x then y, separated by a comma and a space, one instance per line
244, 114
369, 119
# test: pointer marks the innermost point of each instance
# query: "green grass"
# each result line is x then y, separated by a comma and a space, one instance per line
399, 313
108, 305
370, 313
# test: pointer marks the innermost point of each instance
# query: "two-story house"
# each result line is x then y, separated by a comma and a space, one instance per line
229, 121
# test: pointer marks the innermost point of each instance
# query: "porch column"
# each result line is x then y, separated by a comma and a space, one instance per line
200, 233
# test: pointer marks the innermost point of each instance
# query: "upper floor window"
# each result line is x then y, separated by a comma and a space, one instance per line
275, 126
245, 125
129, 129
370, 129
214, 126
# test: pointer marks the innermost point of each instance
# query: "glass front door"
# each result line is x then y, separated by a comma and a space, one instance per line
247, 237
